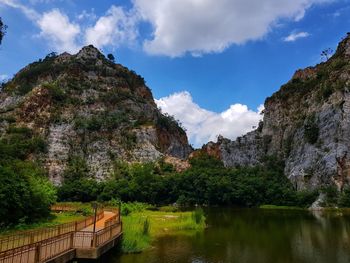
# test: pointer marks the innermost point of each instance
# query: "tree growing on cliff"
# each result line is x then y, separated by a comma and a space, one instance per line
326, 54
3, 28
111, 57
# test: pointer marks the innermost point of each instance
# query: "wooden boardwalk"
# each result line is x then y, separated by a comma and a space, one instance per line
80, 243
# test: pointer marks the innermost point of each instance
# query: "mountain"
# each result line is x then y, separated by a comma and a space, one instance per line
86, 106
306, 123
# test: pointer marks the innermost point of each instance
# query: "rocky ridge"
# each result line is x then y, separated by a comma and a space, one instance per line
87, 106
306, 123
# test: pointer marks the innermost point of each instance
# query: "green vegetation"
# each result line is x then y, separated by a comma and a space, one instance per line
280, 207
334, 198
311, 130
106, 120
57, 94
324, 80
344, 198
141, 227
77, 184
207, 182
52, 220
2, 30
25, 192
24, 82
168, 122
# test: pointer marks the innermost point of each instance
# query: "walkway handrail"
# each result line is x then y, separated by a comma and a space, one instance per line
50, 248
32, 236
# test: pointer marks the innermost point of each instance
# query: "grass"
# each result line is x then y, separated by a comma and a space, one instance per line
141, 228
281, 207
53, 220
82, 208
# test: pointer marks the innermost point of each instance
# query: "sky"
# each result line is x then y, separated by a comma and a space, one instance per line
210, 63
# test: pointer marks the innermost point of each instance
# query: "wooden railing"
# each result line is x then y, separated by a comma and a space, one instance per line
29, 237
108, 233
111, 221
64, 207
114, 219
50, 248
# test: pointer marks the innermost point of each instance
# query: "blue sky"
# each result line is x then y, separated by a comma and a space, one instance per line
210, 63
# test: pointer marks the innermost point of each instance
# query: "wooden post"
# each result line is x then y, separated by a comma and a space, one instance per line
94, 240
71, 240
37, 253
119, 213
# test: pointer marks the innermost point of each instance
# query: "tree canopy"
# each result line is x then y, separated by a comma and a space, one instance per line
3, 28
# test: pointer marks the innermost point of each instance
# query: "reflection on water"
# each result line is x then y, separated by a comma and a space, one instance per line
255, 236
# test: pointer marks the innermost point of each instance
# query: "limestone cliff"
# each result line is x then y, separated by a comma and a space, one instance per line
85, 105
306, 123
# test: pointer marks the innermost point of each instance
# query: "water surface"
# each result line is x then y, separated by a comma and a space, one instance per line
255, 236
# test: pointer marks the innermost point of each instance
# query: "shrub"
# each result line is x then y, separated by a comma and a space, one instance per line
197, 215
311, 130
25, 194
57, 94
146, 227
306, 198
19, 142
332, 195
344, 199
326, 91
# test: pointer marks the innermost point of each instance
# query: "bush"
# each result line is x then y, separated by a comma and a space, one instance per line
57, 94
197, 215
344, 199
25, 194
146, 227
332, 195
306, 198
19, 142
311, 130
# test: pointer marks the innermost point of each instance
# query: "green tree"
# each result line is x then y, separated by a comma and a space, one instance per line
3, 28
25, 194
111, 57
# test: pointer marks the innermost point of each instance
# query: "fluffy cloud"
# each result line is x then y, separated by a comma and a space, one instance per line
295, 36
56, 28
206, 26
203, 125
115, 28
178, 26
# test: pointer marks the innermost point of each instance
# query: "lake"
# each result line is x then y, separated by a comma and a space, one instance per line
255, 236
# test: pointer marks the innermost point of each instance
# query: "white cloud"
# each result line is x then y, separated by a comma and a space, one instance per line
56, 28
115, 28
205, 26
3, 77
27, 11
87, 15
178, 26
295, 36
203, 125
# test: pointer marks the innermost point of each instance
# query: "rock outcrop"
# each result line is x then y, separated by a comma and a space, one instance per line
85, 105
306, 123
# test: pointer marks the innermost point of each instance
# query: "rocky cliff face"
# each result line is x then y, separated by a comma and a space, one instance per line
306, 123
85, 105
